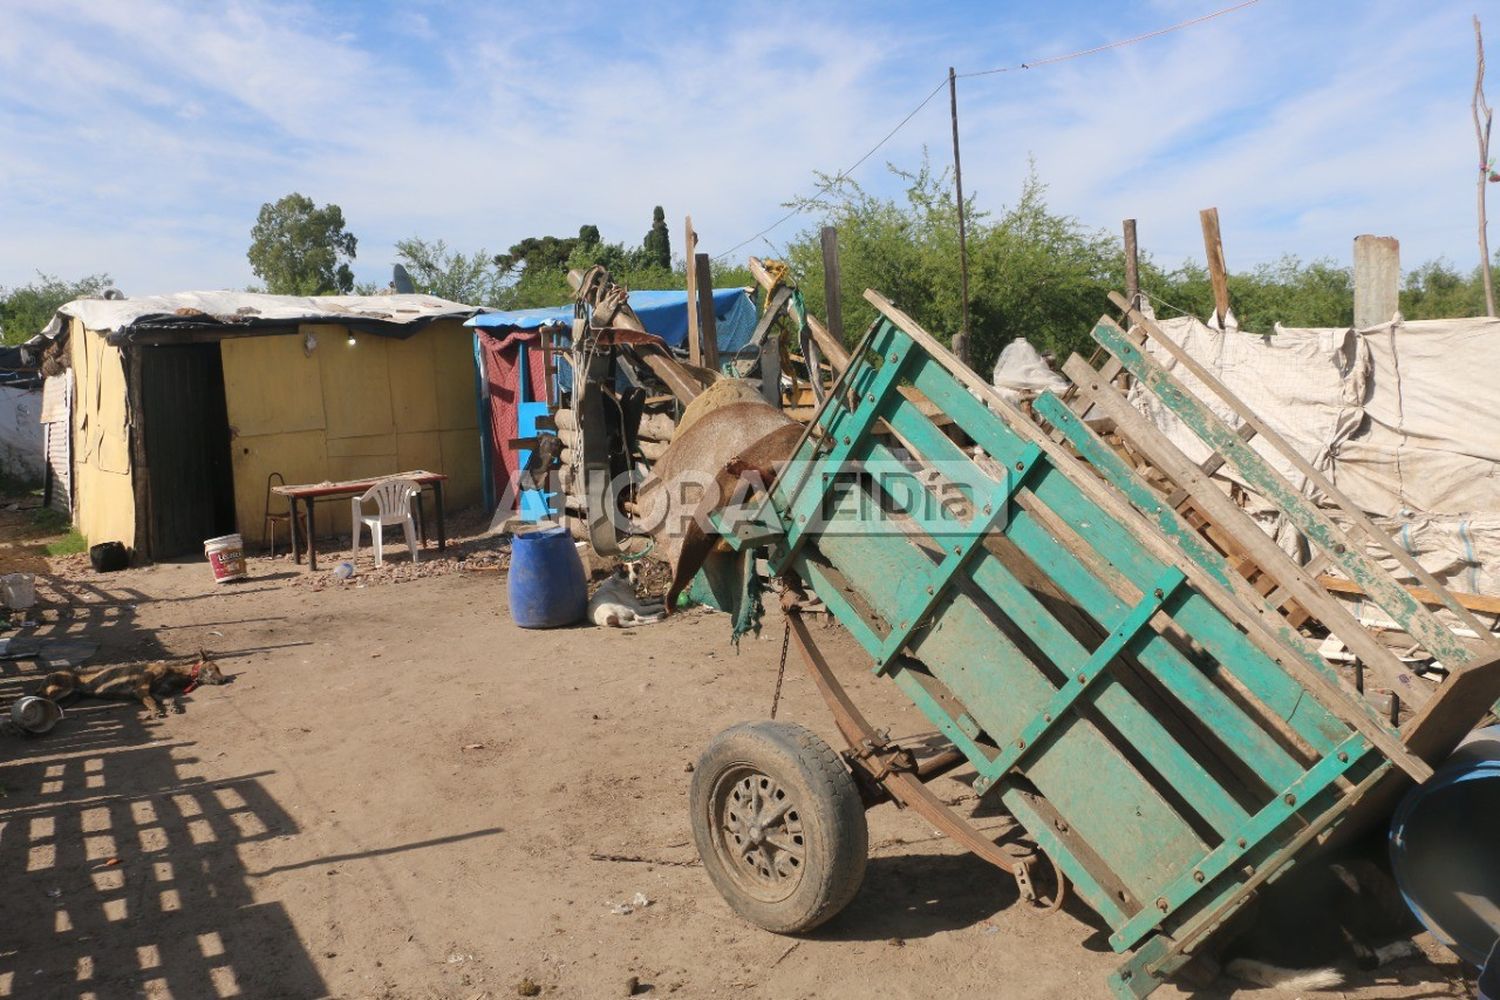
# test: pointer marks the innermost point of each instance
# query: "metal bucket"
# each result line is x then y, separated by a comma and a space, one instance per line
35, 715
1445, 848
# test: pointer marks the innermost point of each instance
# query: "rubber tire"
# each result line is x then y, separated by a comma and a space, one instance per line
833, 821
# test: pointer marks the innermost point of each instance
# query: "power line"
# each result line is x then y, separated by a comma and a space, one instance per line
1119, 43
842, 173
1029, 64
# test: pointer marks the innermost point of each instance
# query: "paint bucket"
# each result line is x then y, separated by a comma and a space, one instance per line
35, 715
226, 554
546, 585
18, 591
1443, 848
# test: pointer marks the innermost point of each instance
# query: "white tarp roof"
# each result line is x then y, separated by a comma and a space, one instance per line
397, 315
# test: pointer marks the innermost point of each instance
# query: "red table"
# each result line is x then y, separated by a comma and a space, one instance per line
309, 493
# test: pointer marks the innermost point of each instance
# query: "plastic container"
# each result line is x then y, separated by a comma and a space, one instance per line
226, 555
18, 591
109, 557
1445, 848
546, 585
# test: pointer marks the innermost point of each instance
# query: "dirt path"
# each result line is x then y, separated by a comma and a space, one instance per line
402, 795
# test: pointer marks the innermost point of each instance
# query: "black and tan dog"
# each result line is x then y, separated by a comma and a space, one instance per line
137, 682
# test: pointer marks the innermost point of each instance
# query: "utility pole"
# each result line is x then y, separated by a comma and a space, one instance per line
960, 342
1132, 266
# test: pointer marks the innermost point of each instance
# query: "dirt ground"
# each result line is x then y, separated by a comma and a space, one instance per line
403, 795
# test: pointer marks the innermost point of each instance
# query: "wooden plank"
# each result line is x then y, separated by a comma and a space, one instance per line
833, 285
1218, 274
1063, 649
1274, 689
1280, 646
834, 351
690, 259
708, 323
1474, 602
1262, 548
1105, 600
1089, 781
1311, 521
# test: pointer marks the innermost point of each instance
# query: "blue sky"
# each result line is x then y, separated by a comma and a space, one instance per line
143, 135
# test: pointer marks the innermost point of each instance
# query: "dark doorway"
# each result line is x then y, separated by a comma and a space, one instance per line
187, 447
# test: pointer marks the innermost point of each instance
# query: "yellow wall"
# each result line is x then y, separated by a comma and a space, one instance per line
104, 499
347, 412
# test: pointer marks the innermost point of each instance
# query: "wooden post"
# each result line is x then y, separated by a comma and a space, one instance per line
708, 323
1213, 248
1482, 118
960, 342
1132, 266
690, 265
833, 285
1377, 280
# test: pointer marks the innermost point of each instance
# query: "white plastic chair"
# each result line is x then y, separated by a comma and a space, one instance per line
393, 506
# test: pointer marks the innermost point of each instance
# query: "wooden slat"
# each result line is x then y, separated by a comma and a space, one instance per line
708, 323
1060, 646
1098, 589
1213, 249
1165, 456
1430, 627
1261, 633
1474, 602
689, 255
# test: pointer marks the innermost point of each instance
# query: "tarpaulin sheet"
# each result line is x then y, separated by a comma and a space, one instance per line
663, 313
501, 356
1401, 417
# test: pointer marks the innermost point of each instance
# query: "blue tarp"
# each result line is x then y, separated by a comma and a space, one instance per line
663, 313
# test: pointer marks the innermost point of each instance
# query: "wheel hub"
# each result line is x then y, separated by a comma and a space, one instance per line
760, 833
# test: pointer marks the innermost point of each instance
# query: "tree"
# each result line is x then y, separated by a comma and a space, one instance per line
299, 249
25, 309
473, 279
1033, 272
658, 243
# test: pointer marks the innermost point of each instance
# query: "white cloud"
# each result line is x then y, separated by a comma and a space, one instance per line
150, 132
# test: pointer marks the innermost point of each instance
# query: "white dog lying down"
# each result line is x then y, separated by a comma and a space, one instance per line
615, 604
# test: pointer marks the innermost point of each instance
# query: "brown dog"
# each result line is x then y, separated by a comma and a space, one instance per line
138, 682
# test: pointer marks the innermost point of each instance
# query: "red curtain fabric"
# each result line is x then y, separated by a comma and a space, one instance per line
502, 377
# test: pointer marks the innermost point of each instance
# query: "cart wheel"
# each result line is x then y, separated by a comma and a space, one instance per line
779, 825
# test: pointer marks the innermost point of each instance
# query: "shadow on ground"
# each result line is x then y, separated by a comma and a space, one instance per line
124, 877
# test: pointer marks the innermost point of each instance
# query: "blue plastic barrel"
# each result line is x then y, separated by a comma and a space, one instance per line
546, 585
1445, 848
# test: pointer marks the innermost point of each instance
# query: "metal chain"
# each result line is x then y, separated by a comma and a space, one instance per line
786, 639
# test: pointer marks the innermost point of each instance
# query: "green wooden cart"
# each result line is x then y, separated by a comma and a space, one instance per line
1091, 645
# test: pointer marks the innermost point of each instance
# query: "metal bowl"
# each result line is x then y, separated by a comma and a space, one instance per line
35, 715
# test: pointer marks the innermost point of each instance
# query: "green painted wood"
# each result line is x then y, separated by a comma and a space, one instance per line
848, 433
1241, 735
1099, 899
1193, 880
1393, 598
1201, 619
1088, 675
1278, 691
926, 595
1086, 778
1177, 766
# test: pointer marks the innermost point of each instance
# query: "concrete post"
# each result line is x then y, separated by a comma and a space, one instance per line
1377, 279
